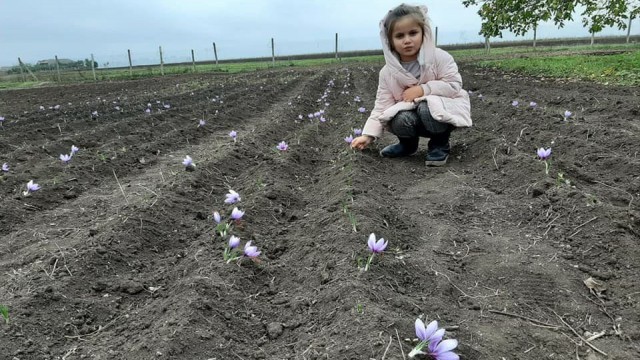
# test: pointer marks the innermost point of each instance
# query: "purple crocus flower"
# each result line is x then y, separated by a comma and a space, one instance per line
431, 333
57, 107
357, 132
201, 123
362, 110
41, 108
300, 117
356, 99
232, 197
251, 251
74, 149
282, 146
188, 162
166, 106
480, 96
310, 116
65, 158
147, 111
376, 247
567, 114
31, 187
543, 153
323, 119
118, 108
442, 350
94, 114
5, 167
1, 119
348, 139
533, 104
236, 214
233, 134
234, 241
216, 217
515, 103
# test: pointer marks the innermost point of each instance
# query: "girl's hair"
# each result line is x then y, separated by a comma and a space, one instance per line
399, 12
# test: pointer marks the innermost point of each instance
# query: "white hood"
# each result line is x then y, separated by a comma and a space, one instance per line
425, 56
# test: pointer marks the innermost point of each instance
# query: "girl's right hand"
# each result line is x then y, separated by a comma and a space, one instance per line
361, 142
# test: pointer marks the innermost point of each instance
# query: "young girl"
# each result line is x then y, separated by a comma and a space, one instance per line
419, 91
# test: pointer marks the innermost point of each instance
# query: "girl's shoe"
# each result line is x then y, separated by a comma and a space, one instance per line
437, 156
405, 147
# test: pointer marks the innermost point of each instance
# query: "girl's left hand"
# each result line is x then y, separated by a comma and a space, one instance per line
412, 93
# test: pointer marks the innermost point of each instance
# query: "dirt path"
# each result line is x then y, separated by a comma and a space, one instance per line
495, 250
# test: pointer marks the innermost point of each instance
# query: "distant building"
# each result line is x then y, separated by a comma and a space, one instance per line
52, 62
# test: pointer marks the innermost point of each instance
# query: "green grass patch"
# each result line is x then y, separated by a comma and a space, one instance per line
614, 69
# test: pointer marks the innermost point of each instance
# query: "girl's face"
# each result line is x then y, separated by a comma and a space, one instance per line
406, 38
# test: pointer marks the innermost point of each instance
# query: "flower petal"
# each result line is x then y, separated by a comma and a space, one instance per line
446, 345
421, 332
448, 356
431, 328
372, 241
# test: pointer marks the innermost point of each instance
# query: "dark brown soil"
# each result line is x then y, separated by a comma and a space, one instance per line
116, 256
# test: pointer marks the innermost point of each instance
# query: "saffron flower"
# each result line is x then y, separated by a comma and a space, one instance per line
94, 114
74, 149
442, 350
234, 135
356, 99
480, 96
216, 217
31, 187
427, 336
322, 119
147, 111
232, 197
201, 123
357, 132
282, 146
376, 247
300, 116
57, 107
188, 163
544, 154
348, 139
515, 103
230, 252
41, 108
567, 114
1, 119
251, 251
362, 110
5, 167
234, 241
166, 106
533, 104
118, 108
236, 214
65, 158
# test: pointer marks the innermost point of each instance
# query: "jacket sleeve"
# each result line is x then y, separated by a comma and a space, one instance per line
384, 100
448, 82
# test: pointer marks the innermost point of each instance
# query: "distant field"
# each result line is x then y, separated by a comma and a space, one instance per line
604, 63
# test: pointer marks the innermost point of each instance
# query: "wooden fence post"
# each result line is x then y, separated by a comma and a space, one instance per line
273, 53
24, 78
193, 61
93, 68
436, 41
161, 62
130, 65
215, 53
58, 69
28, 70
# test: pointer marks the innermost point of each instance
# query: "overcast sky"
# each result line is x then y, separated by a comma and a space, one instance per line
39, 29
